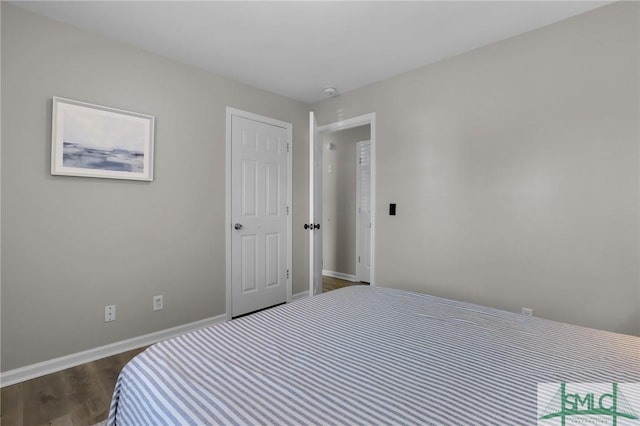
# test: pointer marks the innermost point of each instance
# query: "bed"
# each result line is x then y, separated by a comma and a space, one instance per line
364, 355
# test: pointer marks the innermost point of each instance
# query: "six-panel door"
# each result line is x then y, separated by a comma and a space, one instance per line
259, 215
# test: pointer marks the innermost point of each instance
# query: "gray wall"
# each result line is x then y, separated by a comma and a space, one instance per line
70, 245
339, 199
515, 170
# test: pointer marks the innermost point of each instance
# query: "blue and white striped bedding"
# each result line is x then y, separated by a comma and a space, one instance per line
369, 356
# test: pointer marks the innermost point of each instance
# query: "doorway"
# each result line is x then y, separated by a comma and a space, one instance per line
345, 202
319, 141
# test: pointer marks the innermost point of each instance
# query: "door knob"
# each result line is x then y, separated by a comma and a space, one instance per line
238, 226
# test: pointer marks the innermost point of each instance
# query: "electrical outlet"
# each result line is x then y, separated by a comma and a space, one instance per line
158, 303
527, 312
109, 313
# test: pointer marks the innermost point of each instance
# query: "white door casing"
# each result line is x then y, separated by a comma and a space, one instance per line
363, 211
315, 192
258, 212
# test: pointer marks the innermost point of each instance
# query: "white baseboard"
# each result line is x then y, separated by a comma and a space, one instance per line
339, 275
301, 295
32, 371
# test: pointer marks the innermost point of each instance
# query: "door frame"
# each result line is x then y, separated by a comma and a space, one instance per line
233, 112
361, 120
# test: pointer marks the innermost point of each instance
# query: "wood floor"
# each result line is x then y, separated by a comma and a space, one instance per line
78, 396
330, 283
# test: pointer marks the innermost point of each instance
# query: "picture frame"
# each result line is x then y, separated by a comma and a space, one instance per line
96, 141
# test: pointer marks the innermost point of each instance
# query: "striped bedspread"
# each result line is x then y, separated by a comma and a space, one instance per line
368, 356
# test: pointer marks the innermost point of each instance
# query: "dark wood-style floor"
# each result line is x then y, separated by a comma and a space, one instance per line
330, 283
78, 396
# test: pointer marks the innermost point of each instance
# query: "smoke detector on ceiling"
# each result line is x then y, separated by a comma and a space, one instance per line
330, 91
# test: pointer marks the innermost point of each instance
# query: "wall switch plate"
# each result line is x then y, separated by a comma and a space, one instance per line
109, 313
527, 312
158, 303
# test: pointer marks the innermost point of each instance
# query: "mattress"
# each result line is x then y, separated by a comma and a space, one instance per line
365, 355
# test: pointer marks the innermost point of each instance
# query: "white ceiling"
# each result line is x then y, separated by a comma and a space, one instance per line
297, 48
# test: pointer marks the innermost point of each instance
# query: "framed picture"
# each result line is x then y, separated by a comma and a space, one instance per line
97, 141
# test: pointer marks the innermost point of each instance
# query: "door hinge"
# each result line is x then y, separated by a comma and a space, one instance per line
287, 210
287, 274
358, 259
287, 147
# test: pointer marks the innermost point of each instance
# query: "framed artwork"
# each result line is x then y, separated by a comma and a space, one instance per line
97, 141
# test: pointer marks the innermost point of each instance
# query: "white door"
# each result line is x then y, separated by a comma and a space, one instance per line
363, 209
315, 206
259, 223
